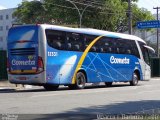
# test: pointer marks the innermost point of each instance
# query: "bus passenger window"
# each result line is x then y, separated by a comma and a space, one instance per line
109, 49
101, 50
86, 46
75, 41
55, 39
76, 47
93, 49
118, 51
88, 39
57, 44
69, 46
132, 48
128, 51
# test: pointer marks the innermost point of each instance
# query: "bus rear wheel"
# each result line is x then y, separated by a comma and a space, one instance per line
135, 79
80, 81
50, 87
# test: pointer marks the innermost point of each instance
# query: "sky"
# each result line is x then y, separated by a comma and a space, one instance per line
148, 4
10, 3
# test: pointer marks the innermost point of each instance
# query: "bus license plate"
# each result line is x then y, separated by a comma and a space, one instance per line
22, 78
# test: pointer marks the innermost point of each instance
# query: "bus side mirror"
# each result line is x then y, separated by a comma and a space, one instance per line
149, 48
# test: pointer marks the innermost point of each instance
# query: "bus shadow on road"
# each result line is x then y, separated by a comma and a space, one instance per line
103, 86
17, 90
102, 112
64, 88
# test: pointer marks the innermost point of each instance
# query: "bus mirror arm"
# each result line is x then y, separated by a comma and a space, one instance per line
149, 48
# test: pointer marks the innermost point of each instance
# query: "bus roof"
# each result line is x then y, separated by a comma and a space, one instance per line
90, 31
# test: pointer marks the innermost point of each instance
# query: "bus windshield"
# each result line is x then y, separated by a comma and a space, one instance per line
22, 33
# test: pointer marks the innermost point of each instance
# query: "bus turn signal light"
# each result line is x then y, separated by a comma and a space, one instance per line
40, 65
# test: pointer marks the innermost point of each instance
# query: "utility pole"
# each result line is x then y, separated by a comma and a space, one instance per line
157, 8
129, 17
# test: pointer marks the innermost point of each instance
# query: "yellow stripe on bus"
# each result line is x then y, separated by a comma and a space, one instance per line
83, 57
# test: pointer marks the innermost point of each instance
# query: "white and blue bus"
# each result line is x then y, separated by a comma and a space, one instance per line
50, 56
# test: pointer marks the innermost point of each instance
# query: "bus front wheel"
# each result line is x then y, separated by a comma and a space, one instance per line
135, 79
50, 87
80, 81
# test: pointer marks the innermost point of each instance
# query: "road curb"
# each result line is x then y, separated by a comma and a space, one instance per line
6, 83
155, 78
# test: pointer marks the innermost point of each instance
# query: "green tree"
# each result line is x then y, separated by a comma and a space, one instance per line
30, 12
131, 0
61, 12
138, 14
109, 15
101, 15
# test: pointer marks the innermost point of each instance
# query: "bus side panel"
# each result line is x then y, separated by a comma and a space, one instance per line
99, 67
110, 67
61, 65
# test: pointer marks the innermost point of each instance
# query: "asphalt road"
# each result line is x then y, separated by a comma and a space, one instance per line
91, 101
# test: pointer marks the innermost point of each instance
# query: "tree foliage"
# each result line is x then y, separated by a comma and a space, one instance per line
30, 12
109, 15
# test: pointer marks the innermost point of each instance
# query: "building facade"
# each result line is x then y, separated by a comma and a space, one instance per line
6, 21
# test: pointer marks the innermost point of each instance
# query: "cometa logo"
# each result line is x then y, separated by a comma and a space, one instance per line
29, 62
114, 60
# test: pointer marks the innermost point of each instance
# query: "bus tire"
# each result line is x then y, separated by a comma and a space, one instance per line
50, 87
108, 84
80, 81
135, 79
